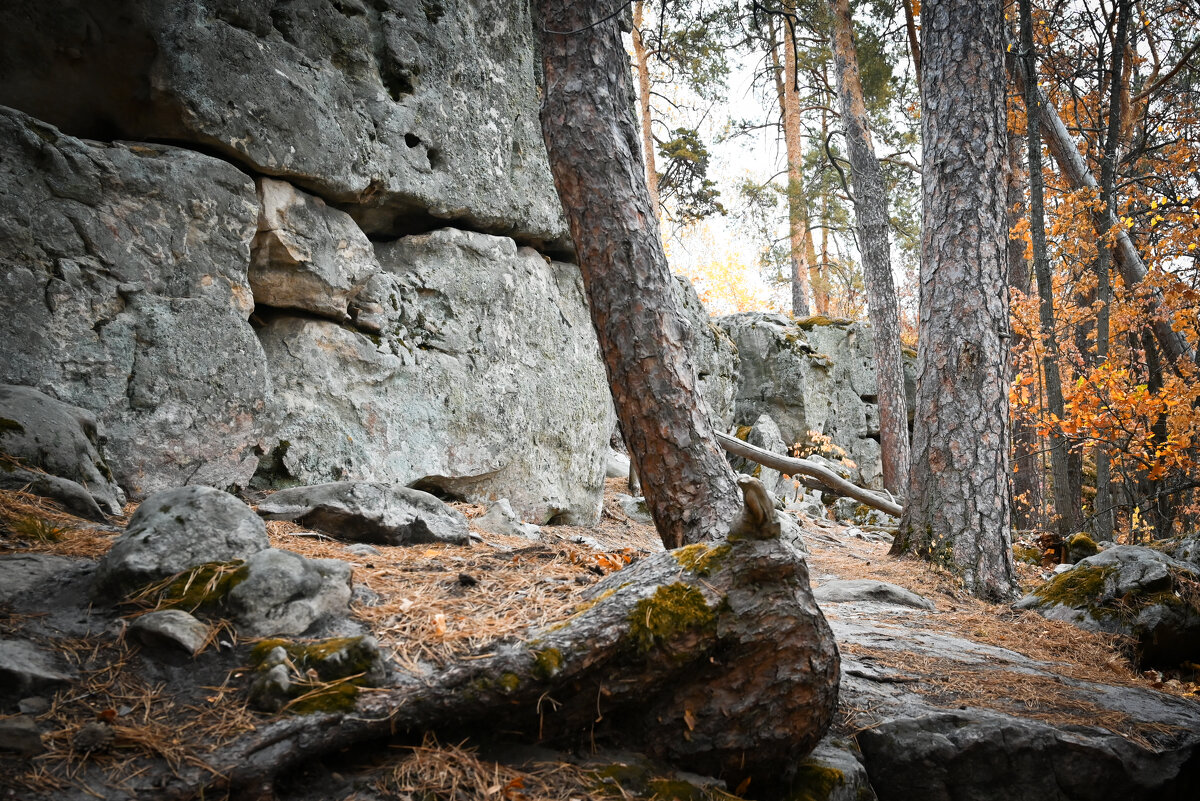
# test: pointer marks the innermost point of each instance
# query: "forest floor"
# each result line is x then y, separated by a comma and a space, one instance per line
431, 605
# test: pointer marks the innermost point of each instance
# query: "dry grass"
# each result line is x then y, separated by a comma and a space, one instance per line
37, 525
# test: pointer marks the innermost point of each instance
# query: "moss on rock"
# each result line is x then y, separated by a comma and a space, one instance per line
1078, 588
815, 782
547, 662
674, 609
701, 558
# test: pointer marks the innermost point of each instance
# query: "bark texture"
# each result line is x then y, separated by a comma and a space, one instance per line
594, 147
1065, 509
715, 658
799, 237
870, 210
958, 511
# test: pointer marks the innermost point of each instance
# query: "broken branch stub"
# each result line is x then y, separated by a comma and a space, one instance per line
713, 657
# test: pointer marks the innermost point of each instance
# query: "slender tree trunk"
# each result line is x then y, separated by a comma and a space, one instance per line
1026, 475
593, 143
958, 512
789, 107
1063, 506
1102, 512
870, 209
914, 44
643, 70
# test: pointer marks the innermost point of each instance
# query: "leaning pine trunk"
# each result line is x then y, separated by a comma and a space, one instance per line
593, 142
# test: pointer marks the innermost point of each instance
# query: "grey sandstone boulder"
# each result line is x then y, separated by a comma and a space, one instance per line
282, 593
834, 771
763, 434
364, 511
175, 530
501, 519
617, 465
123, 291
1130, 590
813, 375
869, 590
399, 111
474, 371
714, 354
61, 439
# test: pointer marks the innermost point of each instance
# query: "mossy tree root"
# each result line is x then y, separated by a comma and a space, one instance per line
718, 662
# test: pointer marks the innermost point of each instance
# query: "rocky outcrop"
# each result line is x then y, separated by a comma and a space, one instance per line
815, 375
1130, 590
400, 112
713, 353
123, 291
478, 375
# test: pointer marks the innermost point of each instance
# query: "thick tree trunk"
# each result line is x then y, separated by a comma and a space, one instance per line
958, 511
643, 71
1064, 507
1026, 475
715, 658
1102, 507
799, 237
593, 142
870, 209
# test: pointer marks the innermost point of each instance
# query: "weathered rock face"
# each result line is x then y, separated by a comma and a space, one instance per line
400, 111
483, 380
715, 355
1129, 590
123, 291
280, 592
307, 255
815, 377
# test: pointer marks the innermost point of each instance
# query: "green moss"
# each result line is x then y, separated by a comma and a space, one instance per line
547, 662
10, 427
332, 659
1082, 546
339, 697
909, 352
743, 432
815, 782
204, 587
674, 790
674, 609
510, 682
700, 558
38, 530
1027, 553
1077, 588
808, 323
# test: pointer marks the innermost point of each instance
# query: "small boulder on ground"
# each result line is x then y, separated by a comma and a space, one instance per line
1130, 590
175, 530
501, 519
880, 592
282, 593
635, 508
367, 511
617, 465
26, 668
61, 439
171, 629
20, 734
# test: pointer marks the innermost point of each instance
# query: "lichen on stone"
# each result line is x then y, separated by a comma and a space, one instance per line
815, 782
1078, 588
674, 609
547, 662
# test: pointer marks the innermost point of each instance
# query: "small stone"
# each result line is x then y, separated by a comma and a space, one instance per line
25, 667
635, 508
171, 628
21, 734
870, 590
501, 519
33, 705
362, 549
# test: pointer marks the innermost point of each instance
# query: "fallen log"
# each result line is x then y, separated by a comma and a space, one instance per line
713, 657
802, 467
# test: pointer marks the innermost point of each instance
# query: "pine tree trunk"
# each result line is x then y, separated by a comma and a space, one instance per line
1064, 508
594, 147
643, 70
1026, 475
958, 512
870, 208
789, 106
1102, 507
